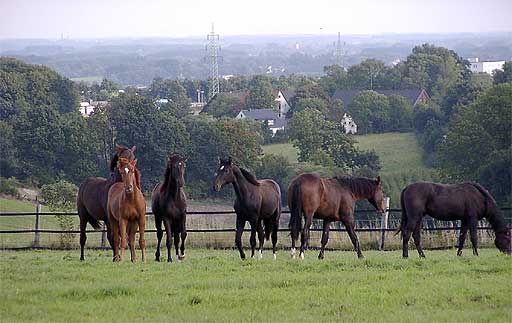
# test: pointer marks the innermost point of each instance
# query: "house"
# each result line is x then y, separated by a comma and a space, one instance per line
283, 99
86, 108
414, 96
274, 122
488, 67
348, 124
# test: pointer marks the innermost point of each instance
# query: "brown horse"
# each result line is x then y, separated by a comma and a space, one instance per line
256, 201
93, 194
330, 199
169, 205
468, 202
126, 208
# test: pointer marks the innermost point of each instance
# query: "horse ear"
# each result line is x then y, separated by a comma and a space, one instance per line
229, 160
119, 148
133, 149
378, 180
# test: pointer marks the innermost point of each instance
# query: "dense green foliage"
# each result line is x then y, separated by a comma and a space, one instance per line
479, 140
215, 285
260, 93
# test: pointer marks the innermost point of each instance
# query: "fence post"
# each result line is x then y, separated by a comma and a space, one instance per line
384, 224
36, 234
103, 235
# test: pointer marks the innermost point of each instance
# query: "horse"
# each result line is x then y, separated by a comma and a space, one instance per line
468, 202
92, 198
169, 205
126, 208
256, 201
330, 199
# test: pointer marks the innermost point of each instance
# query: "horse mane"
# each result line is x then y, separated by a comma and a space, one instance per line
249, 176
492, 212
360, 186
113, 162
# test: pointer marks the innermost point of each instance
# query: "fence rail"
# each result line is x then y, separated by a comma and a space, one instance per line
378, 224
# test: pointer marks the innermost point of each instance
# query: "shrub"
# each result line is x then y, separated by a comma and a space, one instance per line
9, 186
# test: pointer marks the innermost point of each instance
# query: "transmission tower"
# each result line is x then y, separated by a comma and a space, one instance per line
340, 53
213, 49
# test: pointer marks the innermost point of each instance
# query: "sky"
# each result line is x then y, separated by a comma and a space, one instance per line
171, 18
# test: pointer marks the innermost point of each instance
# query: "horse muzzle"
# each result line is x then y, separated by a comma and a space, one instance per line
129, 189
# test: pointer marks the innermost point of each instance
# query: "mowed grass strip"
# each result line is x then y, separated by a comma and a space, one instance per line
215, 285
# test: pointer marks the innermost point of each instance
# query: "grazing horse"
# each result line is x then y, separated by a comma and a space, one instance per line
169, 205
468, 202
256, 201
126, 208
92, 198
330, 199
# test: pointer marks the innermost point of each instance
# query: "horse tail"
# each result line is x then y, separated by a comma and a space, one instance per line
295, 223
403, 221
492, 212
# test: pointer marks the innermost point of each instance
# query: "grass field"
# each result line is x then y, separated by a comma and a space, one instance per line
398, 152
214, 285
88, 79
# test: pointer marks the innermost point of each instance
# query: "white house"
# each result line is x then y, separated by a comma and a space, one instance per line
283, 102
264, 115
86, 109
485, 67
349, 124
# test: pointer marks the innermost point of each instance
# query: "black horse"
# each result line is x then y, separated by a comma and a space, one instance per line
468, 202
93, 194
169, 205
256, 201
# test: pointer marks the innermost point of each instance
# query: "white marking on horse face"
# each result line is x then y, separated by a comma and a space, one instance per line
126, 170
179, 164
222, 167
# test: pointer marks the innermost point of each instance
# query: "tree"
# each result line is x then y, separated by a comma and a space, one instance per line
313, 103
335, 78
303, 130
223, 105
137, 121
400, 114
174, 92
260, 94
504, 76
277, 168
370, 111
367, 75
478, 142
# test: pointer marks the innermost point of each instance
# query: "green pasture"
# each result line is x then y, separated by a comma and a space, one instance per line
215, 285
88, 79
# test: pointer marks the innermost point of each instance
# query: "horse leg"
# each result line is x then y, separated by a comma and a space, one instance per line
123, 229
131, 240
116, 238
462, 237
416, 235
473, 234
159, 235
142, 240
183, 237
275, 229
254, 228
168, 243
305, 235
350, 226
238, 237
261, 240
176, 233
407, 230
83, 236
325, 238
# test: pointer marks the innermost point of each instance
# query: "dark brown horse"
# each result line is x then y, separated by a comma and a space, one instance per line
330, 199
93, 194
126, 208
468, 202
169, 205
256, 201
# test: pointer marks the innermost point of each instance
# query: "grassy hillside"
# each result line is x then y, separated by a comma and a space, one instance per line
215, 285
12, 205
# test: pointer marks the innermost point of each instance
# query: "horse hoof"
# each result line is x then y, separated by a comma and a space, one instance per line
181, 257
320, 257
275, 256
459, 253
301, 256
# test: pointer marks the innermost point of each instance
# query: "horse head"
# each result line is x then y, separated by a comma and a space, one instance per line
224, 174
176, 168
503, 241
127, 170
377, 200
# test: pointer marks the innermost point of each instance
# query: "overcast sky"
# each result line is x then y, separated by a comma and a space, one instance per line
171, 18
